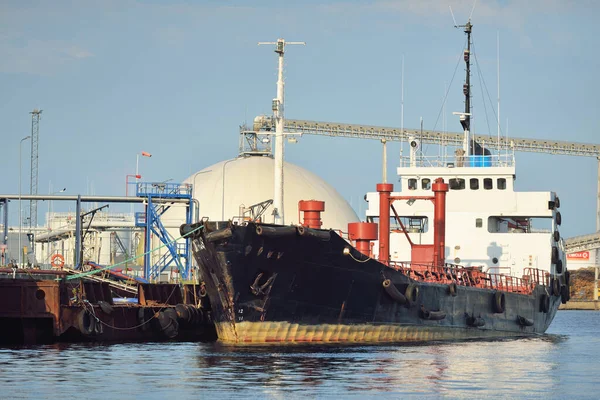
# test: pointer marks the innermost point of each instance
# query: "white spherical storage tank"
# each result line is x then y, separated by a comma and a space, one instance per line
244, 181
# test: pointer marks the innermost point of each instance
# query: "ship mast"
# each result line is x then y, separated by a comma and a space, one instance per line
279, 122
465, 118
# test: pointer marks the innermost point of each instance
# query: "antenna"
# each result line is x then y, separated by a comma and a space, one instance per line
473, 9
454, 19
498, 80
278, 111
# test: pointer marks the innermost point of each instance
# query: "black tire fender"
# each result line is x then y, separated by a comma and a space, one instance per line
499, 304
412, 293
105, 307
393, 291
554, 257
564, 294
544, 303
559, 266
86, 323
555, 285
453, 289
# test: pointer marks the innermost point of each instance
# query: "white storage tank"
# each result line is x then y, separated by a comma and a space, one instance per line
223, 188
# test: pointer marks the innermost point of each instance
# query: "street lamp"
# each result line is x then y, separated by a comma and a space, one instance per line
48, 218
20, 209
50, 204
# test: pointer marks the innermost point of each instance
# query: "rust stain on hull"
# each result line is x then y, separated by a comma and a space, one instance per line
287, 333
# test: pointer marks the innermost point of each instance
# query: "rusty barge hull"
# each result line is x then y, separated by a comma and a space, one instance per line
40, 306
273, 285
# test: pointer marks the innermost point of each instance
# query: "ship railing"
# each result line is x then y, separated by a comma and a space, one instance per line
537, 276
474, 161
471, 276
507, 283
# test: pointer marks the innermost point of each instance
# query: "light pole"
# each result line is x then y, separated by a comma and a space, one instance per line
20, 208
48, 218
50, 203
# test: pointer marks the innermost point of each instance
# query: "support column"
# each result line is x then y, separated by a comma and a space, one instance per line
595, 296
384, 190
598, 199
5, 233
439, 220
147, 231
188, 259
78, 233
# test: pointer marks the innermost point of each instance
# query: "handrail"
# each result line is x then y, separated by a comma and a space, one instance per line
473, 276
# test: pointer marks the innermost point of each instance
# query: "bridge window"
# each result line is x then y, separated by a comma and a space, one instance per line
478, 223
412, 184
474, 183
457, 183
501, 183
426, 184
488, 183
503, 224
413, 224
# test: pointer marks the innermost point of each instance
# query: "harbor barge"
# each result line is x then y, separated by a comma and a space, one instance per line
41, 306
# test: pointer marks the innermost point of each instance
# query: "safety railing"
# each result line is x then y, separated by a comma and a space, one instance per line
473, 276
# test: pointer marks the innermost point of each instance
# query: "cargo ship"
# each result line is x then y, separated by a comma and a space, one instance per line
455, 254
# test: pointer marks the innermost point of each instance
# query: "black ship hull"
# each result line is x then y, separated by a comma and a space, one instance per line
269, 284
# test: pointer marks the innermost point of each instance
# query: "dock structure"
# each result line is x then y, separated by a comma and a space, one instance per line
157, 198
46, 306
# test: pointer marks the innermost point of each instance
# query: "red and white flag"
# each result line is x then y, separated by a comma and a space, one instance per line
146, 154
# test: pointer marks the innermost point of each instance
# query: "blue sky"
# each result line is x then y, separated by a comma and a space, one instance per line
177, 78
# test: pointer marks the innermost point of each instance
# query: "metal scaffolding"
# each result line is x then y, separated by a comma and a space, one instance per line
177, 254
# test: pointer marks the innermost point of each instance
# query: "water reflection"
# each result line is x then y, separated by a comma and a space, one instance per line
562, 364
468, 368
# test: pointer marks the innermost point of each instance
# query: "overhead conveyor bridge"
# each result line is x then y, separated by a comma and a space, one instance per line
264, 124
583, 243
336, 129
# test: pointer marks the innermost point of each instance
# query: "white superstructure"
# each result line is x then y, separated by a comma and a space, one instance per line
488, 223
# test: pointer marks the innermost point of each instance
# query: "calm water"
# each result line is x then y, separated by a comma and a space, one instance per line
563, 364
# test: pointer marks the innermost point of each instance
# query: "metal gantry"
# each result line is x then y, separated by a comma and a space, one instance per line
177, 254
